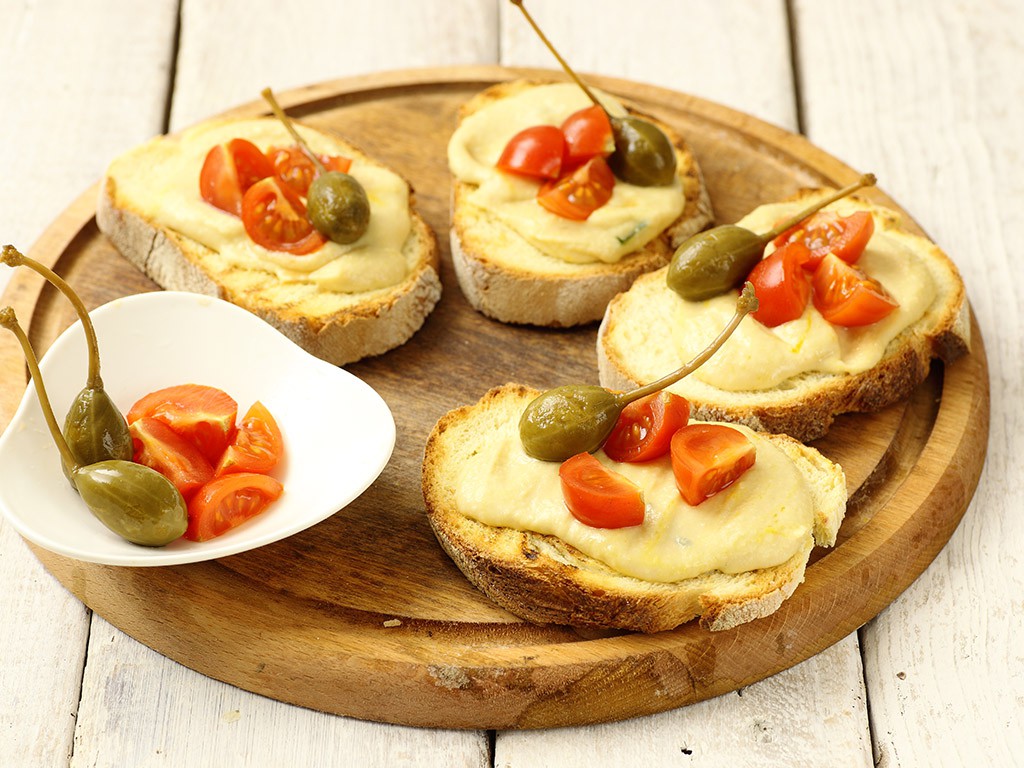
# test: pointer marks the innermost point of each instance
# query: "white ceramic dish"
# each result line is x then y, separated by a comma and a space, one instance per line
339, 434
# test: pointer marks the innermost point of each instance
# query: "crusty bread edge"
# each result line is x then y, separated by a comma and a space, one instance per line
544, 580
579, 296
384, 320
807, 411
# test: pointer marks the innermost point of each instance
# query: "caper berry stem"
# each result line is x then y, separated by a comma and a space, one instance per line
12, 257
275, 107
746, 303
565, 65
867, 180
10, 321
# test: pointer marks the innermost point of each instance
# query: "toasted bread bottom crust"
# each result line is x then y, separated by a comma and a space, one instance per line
544, 580
370, 325
568, 296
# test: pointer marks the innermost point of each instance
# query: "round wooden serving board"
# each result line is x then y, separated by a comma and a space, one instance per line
364, 615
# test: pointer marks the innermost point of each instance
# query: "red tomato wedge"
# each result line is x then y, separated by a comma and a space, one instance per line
229, 170
161, 448
598, 496
204, 416
536, 152
847, 297
579, 194
293, 166
228, 501
588, 133
258, 445
645, 427
707, 458
275, 217
828, 232
781, 284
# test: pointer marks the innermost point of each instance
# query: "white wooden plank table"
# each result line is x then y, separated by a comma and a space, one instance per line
929, 95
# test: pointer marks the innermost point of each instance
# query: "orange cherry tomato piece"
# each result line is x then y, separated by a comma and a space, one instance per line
229, 170
535, 152
275, 217
645, 427
707, 458
781, 284
828, 232
293, 166
228, 501
598, 496
588, 133
846, 296
203, 415
258, 445
579, 194
161, 448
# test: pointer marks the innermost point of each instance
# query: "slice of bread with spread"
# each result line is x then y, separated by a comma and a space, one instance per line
734, 558
340, 302
519, 263
797, 377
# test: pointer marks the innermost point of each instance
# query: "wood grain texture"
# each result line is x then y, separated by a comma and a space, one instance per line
316, 635
55, 143
943, 116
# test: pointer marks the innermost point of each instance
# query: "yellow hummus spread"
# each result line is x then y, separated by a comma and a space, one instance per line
161, 178
761, 520
632, 218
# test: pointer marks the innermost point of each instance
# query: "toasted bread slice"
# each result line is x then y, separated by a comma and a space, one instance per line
339, 326
633, 346
541, 578
506, 277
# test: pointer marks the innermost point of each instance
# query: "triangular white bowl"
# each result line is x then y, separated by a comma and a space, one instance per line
339, 433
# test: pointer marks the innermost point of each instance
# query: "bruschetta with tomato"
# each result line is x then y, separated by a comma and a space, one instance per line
226, 208
544, 228
853, 310
669, 520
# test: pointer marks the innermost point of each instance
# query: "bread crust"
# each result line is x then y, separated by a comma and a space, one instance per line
576, 294
807, 405
546, 581
338, 328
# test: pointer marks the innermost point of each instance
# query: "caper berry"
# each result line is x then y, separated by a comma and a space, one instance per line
717, 260
643, 154
568, 420
708, 265
135, 502
577, 418
94, 428
338, 207
132, 500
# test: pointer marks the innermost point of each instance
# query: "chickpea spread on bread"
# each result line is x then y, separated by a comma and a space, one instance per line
631, 218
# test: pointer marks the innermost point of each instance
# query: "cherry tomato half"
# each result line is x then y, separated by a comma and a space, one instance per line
536, 152
579, 194
707, 458
275, 217
161, 448
828, 232
598, 496
588, 133
645, 427
257, 446
228, 501
293, 166
229, 170
846, 296
203, 415
781, 284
